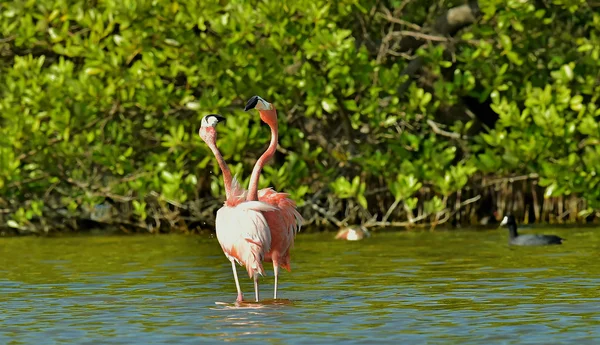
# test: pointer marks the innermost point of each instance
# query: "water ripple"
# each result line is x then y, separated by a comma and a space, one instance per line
439, 288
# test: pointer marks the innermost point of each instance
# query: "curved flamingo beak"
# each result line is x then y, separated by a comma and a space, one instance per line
220, 118
211, 120
256, 102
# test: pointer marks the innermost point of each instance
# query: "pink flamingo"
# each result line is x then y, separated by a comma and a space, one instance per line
242, 229
285, 221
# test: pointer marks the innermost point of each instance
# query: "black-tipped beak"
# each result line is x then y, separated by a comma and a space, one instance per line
251, 103
219, 117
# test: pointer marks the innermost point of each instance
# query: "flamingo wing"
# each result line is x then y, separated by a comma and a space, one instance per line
244, 234
284, 223
291, 217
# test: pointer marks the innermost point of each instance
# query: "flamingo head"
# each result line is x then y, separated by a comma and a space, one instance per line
207, 128
267, 111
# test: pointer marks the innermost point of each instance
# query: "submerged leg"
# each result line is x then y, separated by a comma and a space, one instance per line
276, 271
256, 286
240, 297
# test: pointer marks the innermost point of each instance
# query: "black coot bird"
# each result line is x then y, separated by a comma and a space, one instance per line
527, 240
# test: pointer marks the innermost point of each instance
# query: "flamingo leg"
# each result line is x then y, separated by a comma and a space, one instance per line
256, 286
240, 296
276, 270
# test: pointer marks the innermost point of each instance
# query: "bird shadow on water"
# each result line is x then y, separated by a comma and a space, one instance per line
266, 303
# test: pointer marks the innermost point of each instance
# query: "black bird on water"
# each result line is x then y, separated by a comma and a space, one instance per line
527, 240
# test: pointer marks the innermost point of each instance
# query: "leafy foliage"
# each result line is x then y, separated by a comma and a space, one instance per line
100, 103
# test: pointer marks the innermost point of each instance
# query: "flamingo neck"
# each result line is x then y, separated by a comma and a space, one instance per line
224, 168
260, 163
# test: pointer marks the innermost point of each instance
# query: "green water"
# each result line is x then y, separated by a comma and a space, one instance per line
443, 287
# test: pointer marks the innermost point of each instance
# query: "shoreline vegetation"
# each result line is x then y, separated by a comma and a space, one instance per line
402, 114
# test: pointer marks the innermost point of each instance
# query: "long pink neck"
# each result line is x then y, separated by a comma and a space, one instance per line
224, 168
260, 163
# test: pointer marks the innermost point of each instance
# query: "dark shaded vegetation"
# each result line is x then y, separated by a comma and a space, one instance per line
392, 113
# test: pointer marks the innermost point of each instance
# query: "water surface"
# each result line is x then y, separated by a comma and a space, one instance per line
415, 287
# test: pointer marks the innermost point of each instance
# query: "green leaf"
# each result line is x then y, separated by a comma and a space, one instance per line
362, 201
506, 42
575, 102
349, 105
329, 105
93, 70
167, 176
514, 58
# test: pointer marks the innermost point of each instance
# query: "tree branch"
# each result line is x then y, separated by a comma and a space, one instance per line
448, 24
437, 130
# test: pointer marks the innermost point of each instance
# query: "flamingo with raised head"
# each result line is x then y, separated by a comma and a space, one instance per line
242, 229
285, 221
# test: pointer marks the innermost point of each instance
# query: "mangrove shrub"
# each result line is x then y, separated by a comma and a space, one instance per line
391, 112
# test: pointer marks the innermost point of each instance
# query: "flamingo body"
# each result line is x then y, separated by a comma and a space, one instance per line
244, 235
254, 225
282, 223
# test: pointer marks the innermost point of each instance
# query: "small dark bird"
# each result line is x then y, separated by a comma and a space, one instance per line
527, 240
